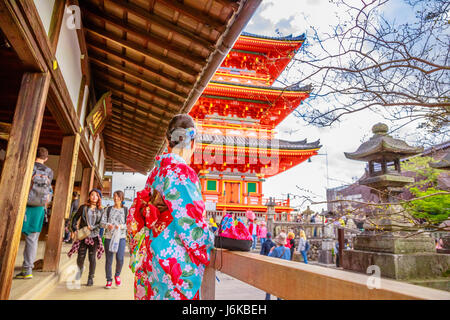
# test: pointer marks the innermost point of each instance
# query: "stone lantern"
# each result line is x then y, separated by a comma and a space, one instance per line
383, 154
388, 240
270, 204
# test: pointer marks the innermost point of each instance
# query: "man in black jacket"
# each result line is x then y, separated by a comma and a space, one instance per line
267, 245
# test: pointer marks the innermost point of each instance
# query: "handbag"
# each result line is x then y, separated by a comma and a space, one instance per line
233, 235
84, 232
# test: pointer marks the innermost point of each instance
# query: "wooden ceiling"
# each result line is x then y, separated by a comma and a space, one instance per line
152, 55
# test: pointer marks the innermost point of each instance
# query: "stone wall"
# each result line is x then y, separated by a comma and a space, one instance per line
313, 252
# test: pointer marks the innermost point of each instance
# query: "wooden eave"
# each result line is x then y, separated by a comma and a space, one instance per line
156, 57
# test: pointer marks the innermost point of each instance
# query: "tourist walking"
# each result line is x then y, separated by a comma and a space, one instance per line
114, 221
170, 241
291, 240
38, 198
336, 252
267, 245
85, 227
254, 229
262, 233
303, 246
280, 251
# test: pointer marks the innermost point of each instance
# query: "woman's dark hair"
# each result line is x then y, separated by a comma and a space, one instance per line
99, 201
120, 194
184, 121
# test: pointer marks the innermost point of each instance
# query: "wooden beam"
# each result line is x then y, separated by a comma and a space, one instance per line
130, 133
165, 61
19, 38
121, 149
135, 167
142, 152
17, 169
181, 85
131, 142
151, 114
62, 200
152, 18
105, 79
179, 97
196, 15
87, 181
56, 23
299, 281
135, 122
114, 161
118, 90
161, 43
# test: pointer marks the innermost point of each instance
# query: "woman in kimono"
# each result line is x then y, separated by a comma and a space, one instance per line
170, 242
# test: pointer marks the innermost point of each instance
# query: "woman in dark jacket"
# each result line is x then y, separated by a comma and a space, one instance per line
90, 215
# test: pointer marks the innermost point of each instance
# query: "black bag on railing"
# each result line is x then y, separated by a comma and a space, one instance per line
232, 236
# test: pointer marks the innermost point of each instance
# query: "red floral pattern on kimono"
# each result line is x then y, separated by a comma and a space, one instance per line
170, 249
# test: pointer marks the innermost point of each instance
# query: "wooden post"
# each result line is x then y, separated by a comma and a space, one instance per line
341, 244
18, 166
87, 182
208, 288
62, 201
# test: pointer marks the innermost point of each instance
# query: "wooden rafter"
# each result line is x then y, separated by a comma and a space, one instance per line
181, 85
202, 18
165, 61
152, 18
161, 43
138, 123
132, 133
118, 90
131, 142
120, 102
164, 104
139, 77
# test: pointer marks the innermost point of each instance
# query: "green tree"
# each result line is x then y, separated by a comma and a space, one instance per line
432, 204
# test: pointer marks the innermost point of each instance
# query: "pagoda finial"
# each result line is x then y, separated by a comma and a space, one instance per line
380, 129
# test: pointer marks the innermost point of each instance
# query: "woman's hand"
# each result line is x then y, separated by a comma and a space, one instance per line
110, 227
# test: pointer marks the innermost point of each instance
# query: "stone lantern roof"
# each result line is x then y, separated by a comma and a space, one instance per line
382, 145
443, 164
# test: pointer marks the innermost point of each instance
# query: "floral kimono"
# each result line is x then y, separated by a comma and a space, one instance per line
169, 249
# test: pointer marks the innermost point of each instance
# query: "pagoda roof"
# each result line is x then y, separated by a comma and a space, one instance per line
240, 141
382, 144
268, 56
301, 37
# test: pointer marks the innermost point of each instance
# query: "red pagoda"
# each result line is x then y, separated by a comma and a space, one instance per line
236, 117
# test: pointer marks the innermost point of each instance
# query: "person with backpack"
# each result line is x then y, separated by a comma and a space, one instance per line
38, 198
85, 227
267, 245
280, 251
303, 246
114, 220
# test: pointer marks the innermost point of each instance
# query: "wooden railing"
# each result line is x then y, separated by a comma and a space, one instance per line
292, 280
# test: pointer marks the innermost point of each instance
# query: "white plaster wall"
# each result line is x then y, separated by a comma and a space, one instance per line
45, 10
68, 55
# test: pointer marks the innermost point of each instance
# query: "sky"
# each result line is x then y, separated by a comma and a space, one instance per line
309, 178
